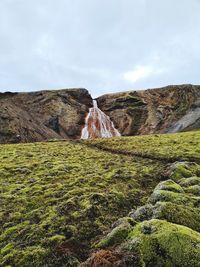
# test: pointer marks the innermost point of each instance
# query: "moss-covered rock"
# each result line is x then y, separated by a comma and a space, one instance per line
167, 227
124, 220
185, 182
193, 189
179, 214
142, 213
165, 244
179, 192
168, 196
171, 212
118, 234
182, 170
169, 185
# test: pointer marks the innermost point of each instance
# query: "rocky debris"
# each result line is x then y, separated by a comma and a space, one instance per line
44, 115
167, 109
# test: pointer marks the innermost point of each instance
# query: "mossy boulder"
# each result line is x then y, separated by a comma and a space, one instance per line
179, 214
185, 182
142, 213
193, 189
118, 234
171, 212
166, 229
182, 170
177, 192
169, 185
124, 220
168, 196
163, 244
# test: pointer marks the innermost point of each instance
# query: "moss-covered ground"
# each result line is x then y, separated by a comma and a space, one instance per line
165, 232
58, 199
171, 147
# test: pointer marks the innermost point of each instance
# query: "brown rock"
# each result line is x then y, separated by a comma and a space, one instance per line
38, 116
60, 114
153, 111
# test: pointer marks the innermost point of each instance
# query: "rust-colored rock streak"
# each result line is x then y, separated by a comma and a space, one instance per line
98, 124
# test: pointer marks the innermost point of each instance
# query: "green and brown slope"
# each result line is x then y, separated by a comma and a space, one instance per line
62, 201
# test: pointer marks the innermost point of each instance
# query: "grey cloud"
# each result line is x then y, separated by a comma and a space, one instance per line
92, 43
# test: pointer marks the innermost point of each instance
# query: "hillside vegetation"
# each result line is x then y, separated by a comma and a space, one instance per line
168, 147
123, 199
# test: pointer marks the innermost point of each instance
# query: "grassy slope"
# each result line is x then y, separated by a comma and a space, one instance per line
57, 198
165, 231
64, 193
178, 146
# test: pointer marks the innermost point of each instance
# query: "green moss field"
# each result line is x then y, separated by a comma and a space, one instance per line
137, 198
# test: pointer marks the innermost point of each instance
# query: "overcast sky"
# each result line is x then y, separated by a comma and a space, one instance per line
102, 45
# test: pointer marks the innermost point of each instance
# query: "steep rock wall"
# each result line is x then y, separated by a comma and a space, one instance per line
60, 114
154, 111
38, 116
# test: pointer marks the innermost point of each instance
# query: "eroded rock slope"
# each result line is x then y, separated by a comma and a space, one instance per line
38, 116
168, 109
58, 114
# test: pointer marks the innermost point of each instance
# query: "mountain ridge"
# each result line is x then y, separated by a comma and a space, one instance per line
152, 110
60, 114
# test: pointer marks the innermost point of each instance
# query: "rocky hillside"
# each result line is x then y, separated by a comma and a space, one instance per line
37, 116
168, 109
44, 115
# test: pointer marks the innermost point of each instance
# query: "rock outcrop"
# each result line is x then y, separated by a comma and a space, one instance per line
38, 116
168, 109
60, 114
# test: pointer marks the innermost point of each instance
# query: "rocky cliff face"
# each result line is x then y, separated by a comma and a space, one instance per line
38, 116
168, 109
44, 115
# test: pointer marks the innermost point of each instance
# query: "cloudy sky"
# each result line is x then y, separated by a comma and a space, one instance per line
102, 45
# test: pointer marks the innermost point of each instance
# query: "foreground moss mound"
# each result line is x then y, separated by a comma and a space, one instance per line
152, 243
160, 243
165, 231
